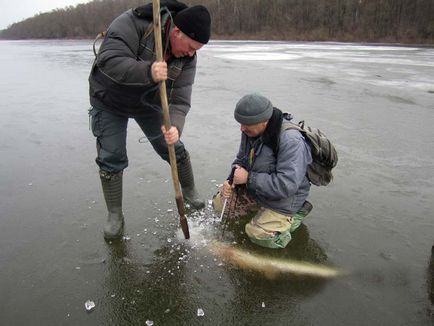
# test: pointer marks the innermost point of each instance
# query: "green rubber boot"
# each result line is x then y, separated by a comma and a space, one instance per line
300, 215
186, 179
112, 188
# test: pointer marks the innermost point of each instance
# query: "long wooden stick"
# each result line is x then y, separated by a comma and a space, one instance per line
167, 124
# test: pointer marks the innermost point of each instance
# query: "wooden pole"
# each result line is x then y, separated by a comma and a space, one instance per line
167, 125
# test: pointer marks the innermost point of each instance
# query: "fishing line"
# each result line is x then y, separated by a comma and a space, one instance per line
146, 139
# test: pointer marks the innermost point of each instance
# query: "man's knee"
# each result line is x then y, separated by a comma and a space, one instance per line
112, 161
161, 148
112, 153
110, 131
269, 229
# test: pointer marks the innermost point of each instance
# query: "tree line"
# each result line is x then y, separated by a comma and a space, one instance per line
403, 21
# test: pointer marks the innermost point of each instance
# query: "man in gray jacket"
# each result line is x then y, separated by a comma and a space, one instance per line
271, 168
124, 84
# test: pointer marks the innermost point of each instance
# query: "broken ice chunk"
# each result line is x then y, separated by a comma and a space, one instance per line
200, 312
89, 305
149, 323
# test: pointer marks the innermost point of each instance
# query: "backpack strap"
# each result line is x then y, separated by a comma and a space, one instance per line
290, 125
142, 43
99, 36
285, 125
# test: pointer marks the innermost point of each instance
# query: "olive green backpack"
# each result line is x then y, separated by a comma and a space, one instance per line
324, 154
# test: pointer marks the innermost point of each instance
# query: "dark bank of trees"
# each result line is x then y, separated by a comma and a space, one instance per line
404, 21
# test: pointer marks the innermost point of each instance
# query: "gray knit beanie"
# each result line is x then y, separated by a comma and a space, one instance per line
252, 109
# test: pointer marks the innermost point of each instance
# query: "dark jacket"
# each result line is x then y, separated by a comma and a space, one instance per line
277, 176
120, 80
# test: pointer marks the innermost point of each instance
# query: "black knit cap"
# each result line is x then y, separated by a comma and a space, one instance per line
195, 22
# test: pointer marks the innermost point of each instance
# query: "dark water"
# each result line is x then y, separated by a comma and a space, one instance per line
375, 221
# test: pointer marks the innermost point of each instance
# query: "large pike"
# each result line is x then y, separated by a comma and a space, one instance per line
269, 266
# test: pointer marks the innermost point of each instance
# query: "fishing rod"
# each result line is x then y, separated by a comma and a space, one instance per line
230, 180
232, 205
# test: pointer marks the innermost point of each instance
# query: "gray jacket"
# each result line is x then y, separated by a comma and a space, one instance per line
278, 183
120, 80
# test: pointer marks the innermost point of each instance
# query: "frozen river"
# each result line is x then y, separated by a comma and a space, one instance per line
374, 221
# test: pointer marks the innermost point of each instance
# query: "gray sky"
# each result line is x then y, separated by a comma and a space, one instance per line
12, 11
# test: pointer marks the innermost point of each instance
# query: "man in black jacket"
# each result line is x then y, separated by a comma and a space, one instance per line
124, 84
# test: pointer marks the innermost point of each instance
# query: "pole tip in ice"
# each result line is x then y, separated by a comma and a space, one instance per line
184, 227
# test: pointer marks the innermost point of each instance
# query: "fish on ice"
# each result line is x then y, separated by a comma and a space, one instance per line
271, 267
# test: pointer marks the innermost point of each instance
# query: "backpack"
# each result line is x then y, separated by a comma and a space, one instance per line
324, 154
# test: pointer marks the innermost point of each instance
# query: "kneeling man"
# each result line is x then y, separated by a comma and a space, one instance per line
270, 169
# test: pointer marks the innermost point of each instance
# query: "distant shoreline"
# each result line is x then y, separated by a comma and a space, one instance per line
232, 39
355, 21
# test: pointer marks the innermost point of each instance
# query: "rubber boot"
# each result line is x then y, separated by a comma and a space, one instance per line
300, 215
112, 188
186, 179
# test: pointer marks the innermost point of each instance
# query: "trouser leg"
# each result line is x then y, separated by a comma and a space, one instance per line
110, 132
151, 126
150, 123
186, 179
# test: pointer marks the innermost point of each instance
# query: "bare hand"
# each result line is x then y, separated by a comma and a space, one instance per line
159, 71
227, 189
171, 136
240, 176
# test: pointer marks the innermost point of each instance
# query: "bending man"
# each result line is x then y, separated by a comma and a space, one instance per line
124, 84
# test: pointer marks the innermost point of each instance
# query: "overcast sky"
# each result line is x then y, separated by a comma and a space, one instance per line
12, 11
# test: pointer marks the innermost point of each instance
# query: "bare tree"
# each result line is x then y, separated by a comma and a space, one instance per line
346, 20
